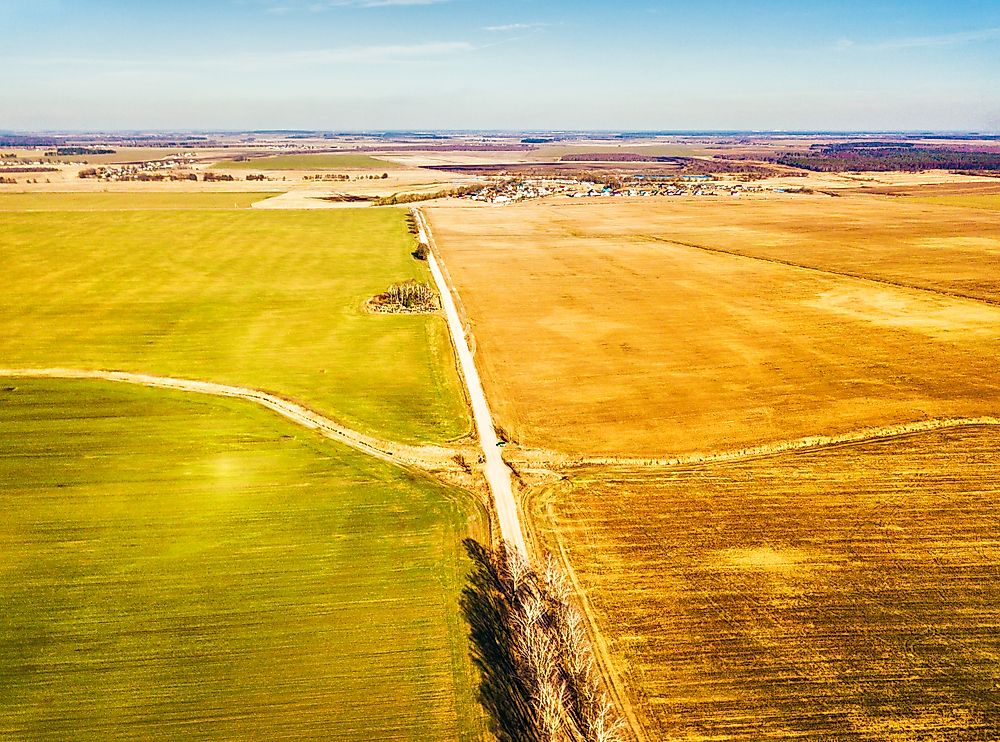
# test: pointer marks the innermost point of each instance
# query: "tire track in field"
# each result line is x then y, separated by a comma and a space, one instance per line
853, 438
826, 271
429, 458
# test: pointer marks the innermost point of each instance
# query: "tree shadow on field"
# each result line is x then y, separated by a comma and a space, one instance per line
502, 691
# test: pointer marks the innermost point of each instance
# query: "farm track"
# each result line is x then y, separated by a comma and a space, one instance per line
498, 475
427, 458
495, 469
856, 437
825, 271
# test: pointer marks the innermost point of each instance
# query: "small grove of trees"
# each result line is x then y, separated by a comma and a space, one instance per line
327, 176
539, 679
407, 296
409, 198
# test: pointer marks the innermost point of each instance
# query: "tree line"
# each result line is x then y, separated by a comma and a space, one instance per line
539, 681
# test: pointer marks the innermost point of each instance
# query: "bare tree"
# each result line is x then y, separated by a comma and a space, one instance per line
551, 653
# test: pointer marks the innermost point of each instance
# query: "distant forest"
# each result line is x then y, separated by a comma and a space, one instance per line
889, 156
68, 151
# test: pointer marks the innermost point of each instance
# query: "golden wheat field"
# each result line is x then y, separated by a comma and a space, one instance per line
847, 593
601, 332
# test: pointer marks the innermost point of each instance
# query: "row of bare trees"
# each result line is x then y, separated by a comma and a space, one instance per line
540, 681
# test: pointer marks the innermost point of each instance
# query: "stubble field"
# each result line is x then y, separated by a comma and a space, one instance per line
988, 201
838, 593
897, 240
181, 567
850, 593
611, 334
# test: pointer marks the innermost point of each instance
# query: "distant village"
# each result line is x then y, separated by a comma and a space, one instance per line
511, 190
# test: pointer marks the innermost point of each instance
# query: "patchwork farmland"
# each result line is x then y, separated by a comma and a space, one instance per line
333, 161
761, 437
752, 416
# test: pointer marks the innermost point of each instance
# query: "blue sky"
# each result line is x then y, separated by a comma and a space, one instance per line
514, 64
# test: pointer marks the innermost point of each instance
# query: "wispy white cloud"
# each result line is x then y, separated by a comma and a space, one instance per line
428, 52
281, 7
923, 42
375, 54
388, 3
513, 27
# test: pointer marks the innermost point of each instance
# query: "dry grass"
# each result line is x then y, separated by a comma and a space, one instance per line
988, 201
601, 337
843, 594
324, 161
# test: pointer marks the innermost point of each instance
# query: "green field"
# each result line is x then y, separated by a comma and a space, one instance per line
310, 162
268, 299
181, 566
989, 201
132, 201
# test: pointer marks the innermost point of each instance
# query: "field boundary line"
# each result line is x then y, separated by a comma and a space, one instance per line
423, 457
542, 498
853, 438
825, 271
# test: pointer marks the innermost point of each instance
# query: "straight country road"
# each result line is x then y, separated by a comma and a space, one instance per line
498, 474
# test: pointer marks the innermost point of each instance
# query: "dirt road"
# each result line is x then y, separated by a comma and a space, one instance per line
498, 474
424, 457
855, 437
